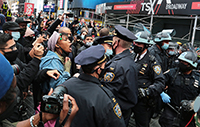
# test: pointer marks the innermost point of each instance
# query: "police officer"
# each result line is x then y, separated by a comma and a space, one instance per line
150, 79
4, 7
159, 49
9, 15
183, 85
172, 54
121, 73
97, 105
106, 42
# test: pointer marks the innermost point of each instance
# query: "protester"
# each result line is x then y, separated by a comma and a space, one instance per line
8, 99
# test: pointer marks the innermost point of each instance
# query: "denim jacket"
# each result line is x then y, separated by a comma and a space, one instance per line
52, 62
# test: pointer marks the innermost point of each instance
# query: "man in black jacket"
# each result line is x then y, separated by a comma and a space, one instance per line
29, 71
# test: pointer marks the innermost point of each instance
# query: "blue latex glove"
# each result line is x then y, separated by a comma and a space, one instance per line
165, 97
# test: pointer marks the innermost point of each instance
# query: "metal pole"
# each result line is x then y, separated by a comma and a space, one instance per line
105, 21
127, 21
49, 11
194, 29
65, 11
66, 6
151, 23
152, 13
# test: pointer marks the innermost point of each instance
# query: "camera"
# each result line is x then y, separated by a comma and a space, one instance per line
53, 104
16, 69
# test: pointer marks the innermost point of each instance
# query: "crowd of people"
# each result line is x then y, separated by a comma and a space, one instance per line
76, 74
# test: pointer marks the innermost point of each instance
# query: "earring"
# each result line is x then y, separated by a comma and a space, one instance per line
61, 36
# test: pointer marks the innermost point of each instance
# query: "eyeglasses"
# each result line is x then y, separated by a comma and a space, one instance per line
12, 47
67, 34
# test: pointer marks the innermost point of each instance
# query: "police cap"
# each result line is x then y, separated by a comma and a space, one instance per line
124, 33
105, 39
93, 55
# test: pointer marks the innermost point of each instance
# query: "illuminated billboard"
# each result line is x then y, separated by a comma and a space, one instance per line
91, 4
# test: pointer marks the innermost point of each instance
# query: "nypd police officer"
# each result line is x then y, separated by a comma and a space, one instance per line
159, 49
150, 79
183, 86
172, 54
106, 42
121, 74
97, 105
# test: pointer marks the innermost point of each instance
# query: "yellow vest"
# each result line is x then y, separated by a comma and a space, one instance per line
9, 14
5, 6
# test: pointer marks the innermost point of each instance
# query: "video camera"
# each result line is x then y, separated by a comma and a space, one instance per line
53, 104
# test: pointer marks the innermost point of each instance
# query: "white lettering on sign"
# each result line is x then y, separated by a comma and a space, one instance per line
176, 6
29, 9
108, 8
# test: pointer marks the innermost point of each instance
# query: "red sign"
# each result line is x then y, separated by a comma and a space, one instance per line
195, 5
125, 7
28, 8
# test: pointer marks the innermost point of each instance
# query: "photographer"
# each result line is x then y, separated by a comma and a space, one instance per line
27, 73
8, 94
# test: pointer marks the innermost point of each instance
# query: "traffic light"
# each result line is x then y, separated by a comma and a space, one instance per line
45, 2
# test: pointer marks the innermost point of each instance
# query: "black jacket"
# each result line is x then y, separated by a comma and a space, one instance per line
160, 56
150, 74
121, 78
97, 105
26, 76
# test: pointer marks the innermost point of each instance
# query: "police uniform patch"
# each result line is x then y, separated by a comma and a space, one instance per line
117, 111
109, 76
157, 69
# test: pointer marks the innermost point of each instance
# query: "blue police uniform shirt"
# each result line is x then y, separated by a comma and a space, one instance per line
121, 79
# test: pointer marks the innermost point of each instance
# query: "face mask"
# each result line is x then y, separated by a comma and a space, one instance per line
15, 35
109, 52
28, 25
113, 49
82, 37
165, 46
171, 53
103, 71
184, 68
22, 32
137, 49
11, 56
89, 43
